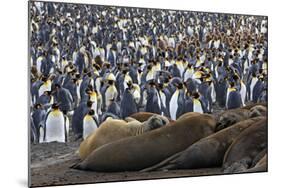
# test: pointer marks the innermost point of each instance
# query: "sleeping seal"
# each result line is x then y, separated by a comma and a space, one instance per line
230, 117
144, 116
207, 152
113, 129
241, 153
139, 152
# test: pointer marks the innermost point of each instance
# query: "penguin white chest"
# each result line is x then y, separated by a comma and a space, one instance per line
253, 83
243, 93
174, 105
89, 126
197, 107
55, 127
111, 93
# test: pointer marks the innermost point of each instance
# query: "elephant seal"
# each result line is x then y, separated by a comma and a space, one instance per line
139, 152
248, 107
261, 166
258, 110
207, 152
230, 117
189, 114
241, 153
144, 116
112, 130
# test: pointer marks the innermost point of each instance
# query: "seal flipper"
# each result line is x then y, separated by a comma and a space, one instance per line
167, 164
78, 165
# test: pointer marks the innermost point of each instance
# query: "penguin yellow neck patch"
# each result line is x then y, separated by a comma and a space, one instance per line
88, 118
56, 112
196, 101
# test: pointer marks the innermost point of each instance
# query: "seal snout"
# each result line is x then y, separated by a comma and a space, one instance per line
157, 121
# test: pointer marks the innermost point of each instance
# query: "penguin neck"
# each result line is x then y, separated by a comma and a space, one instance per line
88, 117
231, 89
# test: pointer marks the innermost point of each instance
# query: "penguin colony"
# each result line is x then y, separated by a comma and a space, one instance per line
91, 64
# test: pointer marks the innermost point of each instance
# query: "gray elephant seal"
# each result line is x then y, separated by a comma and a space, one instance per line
207, 152
112, 130
139, 152
230, 117
241, 153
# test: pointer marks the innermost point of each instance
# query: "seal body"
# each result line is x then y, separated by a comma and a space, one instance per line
139, 152
207, 152
144, 116
247, 145
230, 117
113, 129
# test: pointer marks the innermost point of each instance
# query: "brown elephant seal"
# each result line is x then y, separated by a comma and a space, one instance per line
258, 110
241, 153
144, 116
207, 152
139, 152
112, 130
261, 166
248, 107
230, 117
189, 114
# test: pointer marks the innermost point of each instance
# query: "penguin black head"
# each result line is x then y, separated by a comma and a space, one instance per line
44, 79
55, 106
57, 86
196, 95
235, 77
89, 104
152, 83
130, 85
139, 71
91, 112
180, 85
231, 84
125, 71
110, 82
38, 106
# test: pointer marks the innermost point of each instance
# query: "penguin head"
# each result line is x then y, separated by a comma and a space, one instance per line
91, 112
57, 87
55, 106
89, 104
179, 85
38, 106
195, 95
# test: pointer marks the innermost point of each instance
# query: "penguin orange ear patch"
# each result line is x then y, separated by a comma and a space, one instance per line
124, 93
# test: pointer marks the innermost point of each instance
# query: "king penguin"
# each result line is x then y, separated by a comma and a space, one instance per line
128, 105
243, 92
197, 104
253, 82
175, 103
153, 102
90, 124
56, 125
111, 91
233, 97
